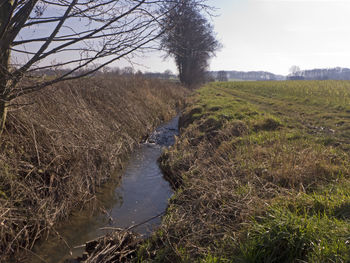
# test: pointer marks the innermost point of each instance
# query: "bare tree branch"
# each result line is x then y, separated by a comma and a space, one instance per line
84, 35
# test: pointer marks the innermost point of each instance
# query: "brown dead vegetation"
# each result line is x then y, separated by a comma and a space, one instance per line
119, 246
62, 143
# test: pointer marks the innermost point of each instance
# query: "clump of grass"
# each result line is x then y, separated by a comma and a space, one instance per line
67, 141
267, 124
190, 116
283, 236
235, 128
209, 124
309, 227
333, 201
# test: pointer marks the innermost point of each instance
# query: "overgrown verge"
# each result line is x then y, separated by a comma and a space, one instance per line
62, 143
254, 183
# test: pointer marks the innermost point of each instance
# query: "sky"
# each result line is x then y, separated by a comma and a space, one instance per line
273, 35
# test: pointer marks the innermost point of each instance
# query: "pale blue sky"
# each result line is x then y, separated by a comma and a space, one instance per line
273, 35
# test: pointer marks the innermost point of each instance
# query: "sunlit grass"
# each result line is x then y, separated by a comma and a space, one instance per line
264, 174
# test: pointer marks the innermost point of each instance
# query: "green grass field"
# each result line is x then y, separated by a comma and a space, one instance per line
262, 170
321, 107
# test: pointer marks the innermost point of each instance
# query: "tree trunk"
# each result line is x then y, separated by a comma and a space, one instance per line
4, 87
5, 76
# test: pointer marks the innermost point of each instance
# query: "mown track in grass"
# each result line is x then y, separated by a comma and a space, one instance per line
331, 121
262, 171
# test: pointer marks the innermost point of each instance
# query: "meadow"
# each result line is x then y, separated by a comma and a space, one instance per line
262, 175
62, 143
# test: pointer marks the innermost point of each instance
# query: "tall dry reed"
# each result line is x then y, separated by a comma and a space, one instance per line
62, 143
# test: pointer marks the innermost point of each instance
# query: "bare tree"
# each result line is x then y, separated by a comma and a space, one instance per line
129, 71
294, 70
222, 76
82, 35
167, 74
189, 38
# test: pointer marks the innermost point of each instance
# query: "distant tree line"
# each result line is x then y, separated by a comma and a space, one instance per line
222, 76
112, 71
295, 74
321, 74
241, 75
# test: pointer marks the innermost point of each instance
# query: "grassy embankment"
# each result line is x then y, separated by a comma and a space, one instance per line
65, 143
262, 175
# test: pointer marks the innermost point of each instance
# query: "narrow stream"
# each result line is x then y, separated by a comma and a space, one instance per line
142, 194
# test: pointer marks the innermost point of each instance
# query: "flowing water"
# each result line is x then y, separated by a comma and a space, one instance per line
142, 194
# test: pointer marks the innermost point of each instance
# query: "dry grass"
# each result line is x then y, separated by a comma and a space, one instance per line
57, 150
120, 246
